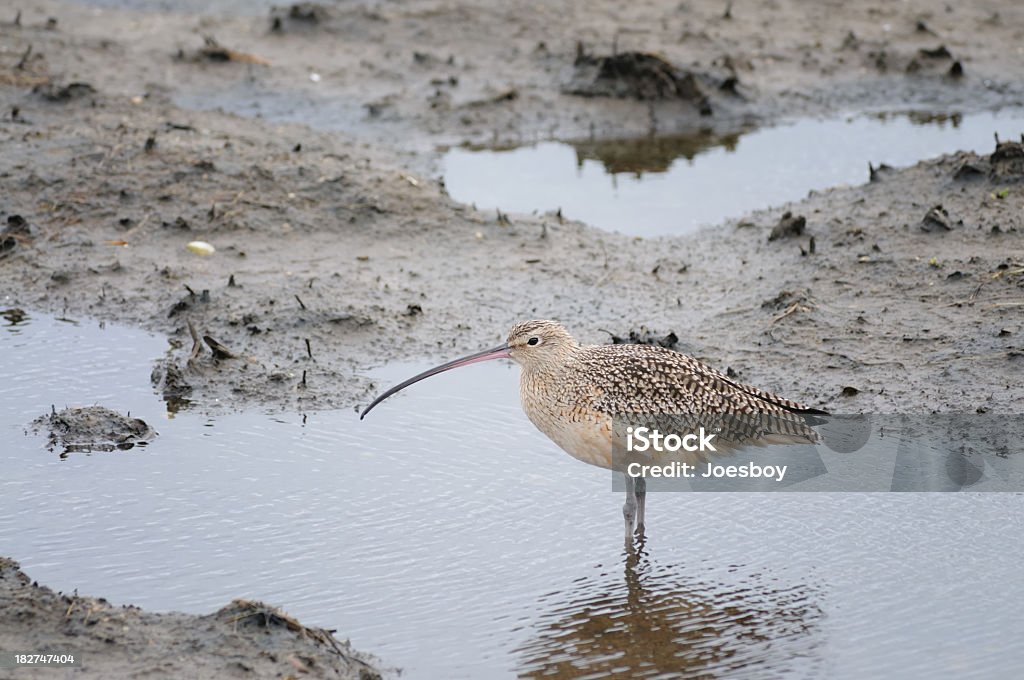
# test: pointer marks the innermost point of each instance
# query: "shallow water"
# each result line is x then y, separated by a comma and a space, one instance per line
654, 186
446, 535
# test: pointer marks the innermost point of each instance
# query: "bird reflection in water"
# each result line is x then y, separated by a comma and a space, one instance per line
661, 622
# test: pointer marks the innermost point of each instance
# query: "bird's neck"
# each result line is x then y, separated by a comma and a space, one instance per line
552, 372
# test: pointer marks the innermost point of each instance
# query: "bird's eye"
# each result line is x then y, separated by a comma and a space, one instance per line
533, 341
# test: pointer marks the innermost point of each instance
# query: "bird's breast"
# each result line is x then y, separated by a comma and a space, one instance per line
564, 413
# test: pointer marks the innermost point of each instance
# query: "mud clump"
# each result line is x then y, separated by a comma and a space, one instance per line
936, 219
92, 428
1007, 161
634, 75
14, 315
789, 225
967, 171
1004, 165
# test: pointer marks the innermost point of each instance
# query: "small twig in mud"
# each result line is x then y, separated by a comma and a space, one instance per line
303, 380
970, 299
309, 350
17, 19
88, 613
197, 343
189, 289
737, 310
792, 309
301, 304
138, 227
219, 350
24, 58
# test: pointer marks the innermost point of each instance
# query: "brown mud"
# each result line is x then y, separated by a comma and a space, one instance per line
337, 248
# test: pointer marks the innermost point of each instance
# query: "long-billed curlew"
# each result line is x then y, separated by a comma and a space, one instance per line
574, 392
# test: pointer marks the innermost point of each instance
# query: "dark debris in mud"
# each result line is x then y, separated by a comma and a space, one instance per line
635, 75
789, 225
937, 219
936, 61
92, 428
14, 315
298, 15
256, 618
53, 92
1005, 165
645, 336
1007, 161
876, 174
213, 52
16, 233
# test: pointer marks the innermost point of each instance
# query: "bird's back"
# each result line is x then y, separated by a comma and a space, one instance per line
576, 404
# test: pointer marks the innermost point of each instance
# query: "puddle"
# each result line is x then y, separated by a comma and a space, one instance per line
656, 186
447, 536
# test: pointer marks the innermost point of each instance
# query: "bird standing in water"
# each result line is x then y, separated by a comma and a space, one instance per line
573, 393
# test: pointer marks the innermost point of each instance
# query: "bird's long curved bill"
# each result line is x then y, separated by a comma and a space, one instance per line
501, 352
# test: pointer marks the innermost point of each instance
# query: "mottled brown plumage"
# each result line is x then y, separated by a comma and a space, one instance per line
573, 392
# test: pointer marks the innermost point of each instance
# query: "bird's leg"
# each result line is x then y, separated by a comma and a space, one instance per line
641, 503
629, 509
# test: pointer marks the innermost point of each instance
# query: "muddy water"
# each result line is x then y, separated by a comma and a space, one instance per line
654, 186
448, 537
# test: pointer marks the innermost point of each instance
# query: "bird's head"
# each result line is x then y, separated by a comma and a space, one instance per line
540, 345
534, 345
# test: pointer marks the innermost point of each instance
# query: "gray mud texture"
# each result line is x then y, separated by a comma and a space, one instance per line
337, 248
336, 251
244, 639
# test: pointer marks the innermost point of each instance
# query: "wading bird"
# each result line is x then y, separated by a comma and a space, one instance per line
574, 392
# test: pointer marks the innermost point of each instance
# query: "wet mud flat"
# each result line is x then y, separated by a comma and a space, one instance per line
336, 251
332, 255
329, 260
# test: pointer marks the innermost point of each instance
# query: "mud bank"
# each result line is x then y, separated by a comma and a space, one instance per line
332, 258
331, 255
415, 76
245, 639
